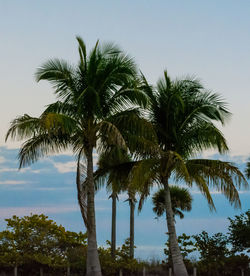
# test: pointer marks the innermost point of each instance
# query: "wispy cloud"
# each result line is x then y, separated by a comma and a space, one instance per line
23, 170
214, 192
65, 167
7, 212
13, 182
2, 159
2, 170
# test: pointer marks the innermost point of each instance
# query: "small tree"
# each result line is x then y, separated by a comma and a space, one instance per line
213, 251
186, 245
239, 232
36, 240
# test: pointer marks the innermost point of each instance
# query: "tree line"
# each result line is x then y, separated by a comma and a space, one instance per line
36, 245
144, 134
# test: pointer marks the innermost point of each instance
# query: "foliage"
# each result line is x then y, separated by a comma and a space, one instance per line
213, 250
239, 232
181, 200
247, 169
36, 239
186, 246
122, 261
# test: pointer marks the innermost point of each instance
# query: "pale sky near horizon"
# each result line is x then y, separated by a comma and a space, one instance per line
206, 39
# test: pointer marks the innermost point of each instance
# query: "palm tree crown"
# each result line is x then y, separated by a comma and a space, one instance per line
183, 116
181, 200
98, 105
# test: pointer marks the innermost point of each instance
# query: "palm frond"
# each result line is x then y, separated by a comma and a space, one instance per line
60, 74
247, 170
222, 176
81, 185
40, 146
23, 127
181, 199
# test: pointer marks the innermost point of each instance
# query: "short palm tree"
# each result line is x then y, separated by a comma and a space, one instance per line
183, 115
181, 200
96, 104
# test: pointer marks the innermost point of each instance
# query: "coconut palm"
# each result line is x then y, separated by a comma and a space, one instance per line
181, 200
114, 168
183, 115
95, 106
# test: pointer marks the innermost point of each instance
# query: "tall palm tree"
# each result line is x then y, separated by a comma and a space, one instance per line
183, 115
114, 168
181, 200
96, 104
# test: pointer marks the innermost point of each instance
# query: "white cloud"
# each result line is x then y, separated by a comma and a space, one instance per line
13, 182
7, 212
65, 167
53, 188
8, 170
2, 159
214, 192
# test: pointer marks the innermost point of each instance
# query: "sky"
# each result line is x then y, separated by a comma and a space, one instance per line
206, 39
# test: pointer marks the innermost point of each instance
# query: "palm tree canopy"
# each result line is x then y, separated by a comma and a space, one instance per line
114, 167
180, 197
97, 100
183, 115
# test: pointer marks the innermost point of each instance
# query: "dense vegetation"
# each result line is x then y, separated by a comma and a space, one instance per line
35, 245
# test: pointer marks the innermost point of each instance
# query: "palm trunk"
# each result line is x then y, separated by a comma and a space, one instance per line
93, 263
132, 227
113, 227
178, 264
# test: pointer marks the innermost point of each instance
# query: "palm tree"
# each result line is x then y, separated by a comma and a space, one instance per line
114, 168
183, 115
181, 200
95, 106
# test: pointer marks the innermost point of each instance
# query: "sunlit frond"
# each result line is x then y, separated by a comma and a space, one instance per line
23, 127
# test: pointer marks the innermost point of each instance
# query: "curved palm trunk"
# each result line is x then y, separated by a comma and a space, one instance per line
113, 227
132, 227
178, 264
93, 263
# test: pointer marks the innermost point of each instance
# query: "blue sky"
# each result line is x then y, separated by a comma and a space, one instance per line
49, 187
207, 39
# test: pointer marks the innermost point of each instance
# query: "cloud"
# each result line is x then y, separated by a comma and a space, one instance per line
7, 212
13, 182
214, 192
70, 166
65, 167
8, 170
2, 159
